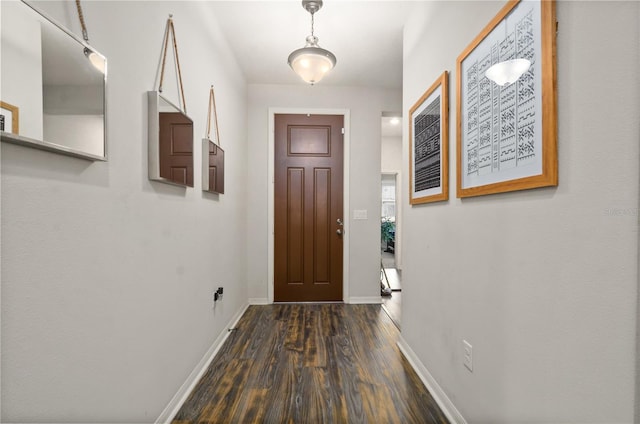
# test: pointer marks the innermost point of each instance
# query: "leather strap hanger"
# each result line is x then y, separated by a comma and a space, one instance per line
171, 31
212, 106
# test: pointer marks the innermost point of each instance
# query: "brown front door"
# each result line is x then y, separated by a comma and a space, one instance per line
176, 148
308, 208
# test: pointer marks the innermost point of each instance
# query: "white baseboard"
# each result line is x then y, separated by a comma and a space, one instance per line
448, 408
365, 300
187, 387
258, 301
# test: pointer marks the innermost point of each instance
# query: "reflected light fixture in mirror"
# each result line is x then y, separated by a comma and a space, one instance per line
507, 72
96, 60
311, 62
170, 142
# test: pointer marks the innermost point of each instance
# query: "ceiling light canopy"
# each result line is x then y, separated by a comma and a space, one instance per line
312, 62
508, 72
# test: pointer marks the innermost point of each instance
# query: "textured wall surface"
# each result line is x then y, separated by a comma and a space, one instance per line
543, 283
107, 278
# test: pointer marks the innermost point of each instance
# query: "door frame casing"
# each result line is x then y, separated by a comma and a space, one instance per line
271, 194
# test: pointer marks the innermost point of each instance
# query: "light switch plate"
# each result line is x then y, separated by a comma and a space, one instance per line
359, 214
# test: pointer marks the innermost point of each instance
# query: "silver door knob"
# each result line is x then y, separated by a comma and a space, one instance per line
339, 232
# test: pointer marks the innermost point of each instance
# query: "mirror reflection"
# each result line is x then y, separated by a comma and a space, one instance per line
170, 142
47, 74
212, 167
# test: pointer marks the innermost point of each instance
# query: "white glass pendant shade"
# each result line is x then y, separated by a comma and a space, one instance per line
508, 72
311, 62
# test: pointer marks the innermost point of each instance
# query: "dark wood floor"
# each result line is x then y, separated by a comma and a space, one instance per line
311, 363
393, 304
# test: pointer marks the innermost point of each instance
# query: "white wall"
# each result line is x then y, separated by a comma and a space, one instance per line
108, 278
542, 283
391, 154
366, 106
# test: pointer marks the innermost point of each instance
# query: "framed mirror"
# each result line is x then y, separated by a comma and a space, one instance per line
212, 167
170, 142
54, 83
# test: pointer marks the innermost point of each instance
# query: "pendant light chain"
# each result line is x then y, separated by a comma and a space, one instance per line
170, 30
312, 21
85, 36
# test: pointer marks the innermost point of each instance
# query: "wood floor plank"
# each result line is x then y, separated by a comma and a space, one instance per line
311, 363
254, 406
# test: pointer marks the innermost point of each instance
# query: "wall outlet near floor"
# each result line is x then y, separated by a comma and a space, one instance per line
467, 355
217, 295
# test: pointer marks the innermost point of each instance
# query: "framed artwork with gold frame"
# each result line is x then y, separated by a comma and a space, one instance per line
10, 118
507, 135
429, 144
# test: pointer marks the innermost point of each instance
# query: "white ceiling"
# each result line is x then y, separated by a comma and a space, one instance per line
365, 36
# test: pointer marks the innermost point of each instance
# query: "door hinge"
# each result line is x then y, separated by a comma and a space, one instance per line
343, 131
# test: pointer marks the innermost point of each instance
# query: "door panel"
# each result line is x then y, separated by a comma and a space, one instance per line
176, 148
295, 226
216, 169
309, 141
322, 226
308, 205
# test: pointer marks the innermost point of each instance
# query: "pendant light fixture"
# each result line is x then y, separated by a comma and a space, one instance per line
311, 62
507, 72
96, 60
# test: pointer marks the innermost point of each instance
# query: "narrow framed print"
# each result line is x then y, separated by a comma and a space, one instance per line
507, 134
429, 145
9, 118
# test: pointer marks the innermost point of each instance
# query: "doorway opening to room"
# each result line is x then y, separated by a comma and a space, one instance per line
388, 220
390, 225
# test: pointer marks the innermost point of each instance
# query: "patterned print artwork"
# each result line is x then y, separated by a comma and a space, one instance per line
427, 147
500, 121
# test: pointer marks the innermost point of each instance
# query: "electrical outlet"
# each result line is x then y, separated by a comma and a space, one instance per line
467, 355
